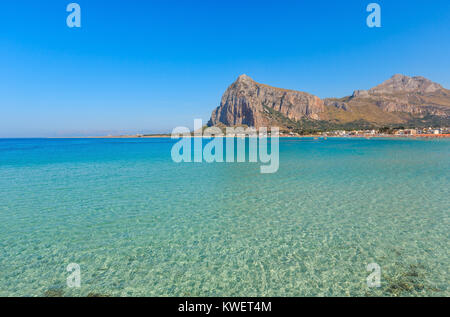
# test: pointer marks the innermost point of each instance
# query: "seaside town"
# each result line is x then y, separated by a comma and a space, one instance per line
431, 132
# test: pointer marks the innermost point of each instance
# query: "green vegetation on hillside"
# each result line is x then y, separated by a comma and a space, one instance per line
308, 126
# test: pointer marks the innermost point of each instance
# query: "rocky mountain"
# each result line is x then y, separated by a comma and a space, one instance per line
399, 101
404, 84
247, 102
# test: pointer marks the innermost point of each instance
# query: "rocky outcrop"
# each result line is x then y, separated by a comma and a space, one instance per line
360, 93
416, 96
404, 84
247, 102
337, 104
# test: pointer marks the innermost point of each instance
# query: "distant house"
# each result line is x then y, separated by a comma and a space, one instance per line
410, 131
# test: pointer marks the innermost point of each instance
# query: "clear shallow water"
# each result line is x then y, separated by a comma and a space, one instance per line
140, 225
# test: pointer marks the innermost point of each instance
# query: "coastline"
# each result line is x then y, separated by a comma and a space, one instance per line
159, 136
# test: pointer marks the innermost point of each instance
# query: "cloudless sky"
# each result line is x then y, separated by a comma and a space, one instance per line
149, 66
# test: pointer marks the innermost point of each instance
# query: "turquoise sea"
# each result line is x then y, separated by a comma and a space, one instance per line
139, 224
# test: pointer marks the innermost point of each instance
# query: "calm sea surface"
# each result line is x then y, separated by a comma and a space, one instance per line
139, 224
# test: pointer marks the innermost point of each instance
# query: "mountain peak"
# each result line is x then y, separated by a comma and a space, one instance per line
402, 83
247, 102
244, 77
399, 77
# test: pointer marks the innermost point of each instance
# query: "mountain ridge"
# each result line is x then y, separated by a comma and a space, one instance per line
400, 100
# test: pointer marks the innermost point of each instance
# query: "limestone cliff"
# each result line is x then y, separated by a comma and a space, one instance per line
247, 102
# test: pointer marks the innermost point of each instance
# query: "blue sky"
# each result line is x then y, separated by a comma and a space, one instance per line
148, 66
